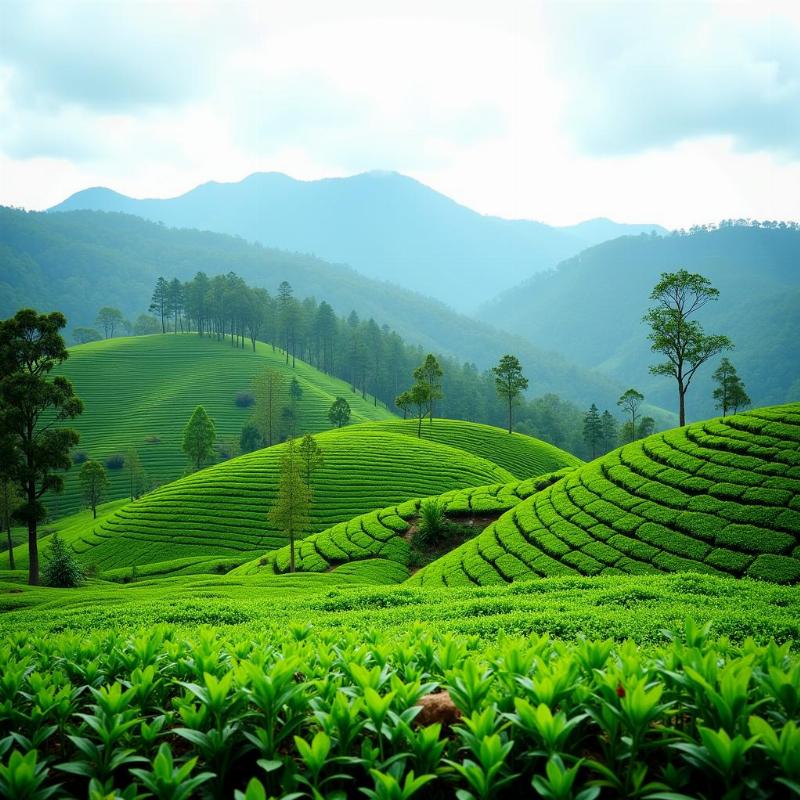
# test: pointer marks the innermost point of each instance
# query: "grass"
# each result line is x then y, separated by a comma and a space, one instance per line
720, 497
138, 392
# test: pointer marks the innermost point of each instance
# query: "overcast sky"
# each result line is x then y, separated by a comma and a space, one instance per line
667, 112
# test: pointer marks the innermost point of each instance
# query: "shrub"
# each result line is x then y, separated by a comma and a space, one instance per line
432, 526
779, 569
61, 570
79, 457
244, 399
116, 461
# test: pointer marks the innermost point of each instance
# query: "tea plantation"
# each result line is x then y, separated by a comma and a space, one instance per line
720, 497
139, 392
221, 512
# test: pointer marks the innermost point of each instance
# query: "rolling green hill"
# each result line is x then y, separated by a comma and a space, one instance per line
379, 540
720, 497
221, 512
140, 391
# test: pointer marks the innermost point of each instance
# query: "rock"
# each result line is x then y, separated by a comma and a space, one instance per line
439, 708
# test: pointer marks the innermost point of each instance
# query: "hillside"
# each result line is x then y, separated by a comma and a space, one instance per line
719, 497
222, 511
80, 261
139, 392
600, 295
387, 226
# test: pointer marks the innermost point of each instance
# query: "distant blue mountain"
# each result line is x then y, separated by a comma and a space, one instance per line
383, 224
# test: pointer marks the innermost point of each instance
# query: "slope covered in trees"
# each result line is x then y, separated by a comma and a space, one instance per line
719, 497
139, 392
82, 261
599, 297
385, 225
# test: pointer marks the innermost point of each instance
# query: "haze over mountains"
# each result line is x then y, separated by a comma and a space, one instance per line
385, 225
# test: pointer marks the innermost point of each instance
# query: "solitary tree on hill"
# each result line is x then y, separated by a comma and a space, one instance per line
339, 412
198, 437
94, 483
429, 373
109, 319
608, 428
592, 429
291, 511
403, 402
629, 402
311, 457
31, 405
419, 399
729, 394
266, 411
509, 383
159, 304
679, 295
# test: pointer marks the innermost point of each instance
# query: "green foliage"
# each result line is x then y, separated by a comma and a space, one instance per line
291, 510
198, 437
509, 382
679, 295
60, 569
339, 413
432, 525
729, 394
250, 439
94, 483
300, 709
32, 448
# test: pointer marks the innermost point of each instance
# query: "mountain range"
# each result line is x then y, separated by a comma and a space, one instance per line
385, 225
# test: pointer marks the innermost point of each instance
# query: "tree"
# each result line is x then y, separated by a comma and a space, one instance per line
679, 295
94, 482
430, 374
339, 412
730, 393
175, 301
608, 430
419, 398
109, 319
266, 410
647, 426
137, 478
61, 570
85, 335
403, 402
295, 394
311, 457
629, 402
198, 437
145, 324
592, 429
250, 439
291, 511
509, 382
10, 500
32, 445
159, 304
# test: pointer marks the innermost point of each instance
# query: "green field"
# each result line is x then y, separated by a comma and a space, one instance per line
139, 392
720, 497
220, 512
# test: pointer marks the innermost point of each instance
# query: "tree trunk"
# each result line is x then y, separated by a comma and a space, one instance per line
33, 554
419, 427
509, 413
11, 564
291, 551
94, 512
681, 407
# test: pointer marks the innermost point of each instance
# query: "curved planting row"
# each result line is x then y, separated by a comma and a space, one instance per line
721, 496
139, 392
381, 536
223, 510
521, 455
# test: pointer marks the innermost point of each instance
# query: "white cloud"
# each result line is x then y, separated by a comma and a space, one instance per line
649, 111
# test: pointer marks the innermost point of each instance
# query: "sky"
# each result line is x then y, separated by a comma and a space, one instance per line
651, 111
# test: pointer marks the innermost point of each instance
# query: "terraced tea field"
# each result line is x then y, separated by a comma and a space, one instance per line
140, 391
378, 537
720, 497
222, 511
